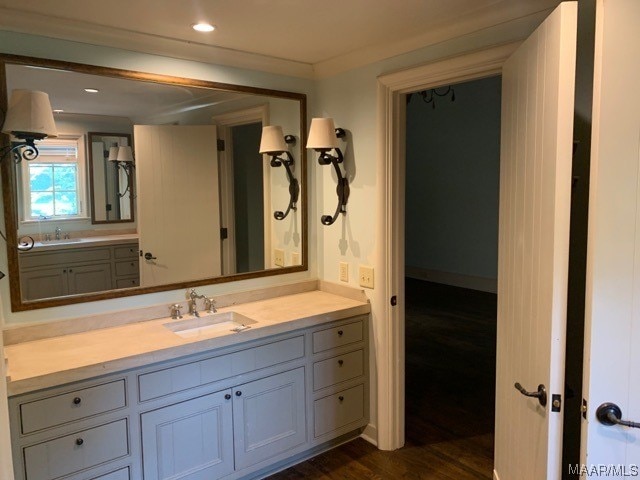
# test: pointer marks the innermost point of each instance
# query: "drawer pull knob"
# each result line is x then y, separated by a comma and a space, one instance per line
341, 398
227, 397
77, 401
340, 333
238, 393
79, 441
340, 362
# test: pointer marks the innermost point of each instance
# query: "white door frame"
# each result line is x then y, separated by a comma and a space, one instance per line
224, 122
389, 325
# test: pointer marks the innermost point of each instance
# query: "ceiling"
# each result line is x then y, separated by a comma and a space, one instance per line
304, 35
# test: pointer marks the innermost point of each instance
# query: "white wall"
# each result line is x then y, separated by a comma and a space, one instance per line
452, 165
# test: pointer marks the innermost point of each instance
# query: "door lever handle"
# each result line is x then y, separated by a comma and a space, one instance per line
610, 414
540, 394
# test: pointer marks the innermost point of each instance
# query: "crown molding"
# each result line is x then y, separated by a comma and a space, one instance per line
464, 25
73, 30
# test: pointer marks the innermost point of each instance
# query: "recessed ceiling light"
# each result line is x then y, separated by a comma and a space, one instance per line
57, 110
91, 90
203, 27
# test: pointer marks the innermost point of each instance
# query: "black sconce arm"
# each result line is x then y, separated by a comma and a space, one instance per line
294, 185
342, 189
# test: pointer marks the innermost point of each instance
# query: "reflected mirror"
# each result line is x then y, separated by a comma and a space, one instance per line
153, 183
110, 177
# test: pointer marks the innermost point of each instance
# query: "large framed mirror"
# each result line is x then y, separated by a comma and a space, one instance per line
153, 183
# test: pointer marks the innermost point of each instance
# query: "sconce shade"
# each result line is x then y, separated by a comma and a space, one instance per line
29, 115
124, 154
322, 134
272, 140
113, 154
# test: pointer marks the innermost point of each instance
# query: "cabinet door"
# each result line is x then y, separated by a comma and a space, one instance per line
189, 440
268, 417
89, 278
43, 283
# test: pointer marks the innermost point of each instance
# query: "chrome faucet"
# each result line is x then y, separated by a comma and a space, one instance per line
58, 232
210, 305
193, 306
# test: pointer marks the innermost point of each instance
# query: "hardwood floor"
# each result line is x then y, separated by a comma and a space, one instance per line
450, 385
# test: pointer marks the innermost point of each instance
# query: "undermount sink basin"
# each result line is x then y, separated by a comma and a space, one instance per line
226, 322
61, 241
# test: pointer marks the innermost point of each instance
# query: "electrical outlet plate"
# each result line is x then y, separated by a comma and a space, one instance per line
344, 272
295, 258
278, 257
365, 275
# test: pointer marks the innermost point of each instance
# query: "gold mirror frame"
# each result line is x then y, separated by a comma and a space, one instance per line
7, 170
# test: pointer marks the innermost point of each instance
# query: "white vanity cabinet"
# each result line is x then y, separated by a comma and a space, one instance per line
81, 269
241, 411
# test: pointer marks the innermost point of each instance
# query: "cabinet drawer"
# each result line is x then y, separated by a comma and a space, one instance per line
127, 268
64, 257
127, 282
78, 451
339, 410
122, 474
337, 336
183, 377
68, 407
126, 251
338, 369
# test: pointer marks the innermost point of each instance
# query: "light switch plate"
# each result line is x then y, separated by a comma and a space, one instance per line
365, 275
278, 257
344, 272
295, 258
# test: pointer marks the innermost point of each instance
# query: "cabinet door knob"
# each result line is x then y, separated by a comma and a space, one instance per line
77, 401
79, 441
340, 333
227, 397
341, 398
238, 393
340, 362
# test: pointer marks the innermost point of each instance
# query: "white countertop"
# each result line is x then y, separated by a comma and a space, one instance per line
53, 361
95, 241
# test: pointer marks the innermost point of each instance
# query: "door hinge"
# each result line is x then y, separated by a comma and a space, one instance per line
556, 402
221, 145
394, 301
584, 408
224, 233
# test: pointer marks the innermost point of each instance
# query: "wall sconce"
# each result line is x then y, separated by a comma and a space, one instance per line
323, 137
274, 144
123, 158
29, 118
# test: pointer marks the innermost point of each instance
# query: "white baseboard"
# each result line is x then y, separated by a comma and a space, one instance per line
370, 434
471, 282
495, 475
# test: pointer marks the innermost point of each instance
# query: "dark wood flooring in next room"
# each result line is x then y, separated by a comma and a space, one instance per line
450, 384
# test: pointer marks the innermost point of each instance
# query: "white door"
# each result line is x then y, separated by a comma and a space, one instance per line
178, 202
612, 335
535, 191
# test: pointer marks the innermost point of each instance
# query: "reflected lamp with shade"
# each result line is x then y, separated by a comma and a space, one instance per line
123, 158
275, 144
29, 118
323, 137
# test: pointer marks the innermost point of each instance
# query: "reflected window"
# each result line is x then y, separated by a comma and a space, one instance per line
53, 184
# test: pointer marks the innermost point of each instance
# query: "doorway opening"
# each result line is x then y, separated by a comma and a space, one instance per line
451, 248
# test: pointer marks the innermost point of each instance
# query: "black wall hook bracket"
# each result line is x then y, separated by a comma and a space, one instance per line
342, 189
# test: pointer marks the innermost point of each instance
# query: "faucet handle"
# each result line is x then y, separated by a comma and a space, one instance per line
175, 311
209, 305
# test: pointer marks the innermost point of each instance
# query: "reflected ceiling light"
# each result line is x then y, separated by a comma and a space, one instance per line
274, 143
323, 137
91, 90
203, 27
